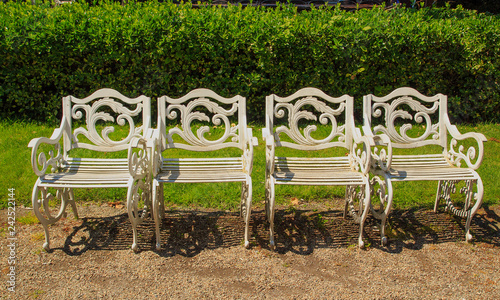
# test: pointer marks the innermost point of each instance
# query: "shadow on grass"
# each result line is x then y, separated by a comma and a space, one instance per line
188, 232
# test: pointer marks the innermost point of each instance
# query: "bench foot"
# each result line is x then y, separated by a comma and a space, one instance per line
468, 237
361, 243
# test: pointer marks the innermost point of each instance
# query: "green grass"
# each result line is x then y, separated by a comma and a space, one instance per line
16, 172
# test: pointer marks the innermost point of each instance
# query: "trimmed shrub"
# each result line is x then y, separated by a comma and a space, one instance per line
162, 48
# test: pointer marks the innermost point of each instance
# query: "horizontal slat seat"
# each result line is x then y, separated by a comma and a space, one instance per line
427, 167
90, 173
315, 171
188, 170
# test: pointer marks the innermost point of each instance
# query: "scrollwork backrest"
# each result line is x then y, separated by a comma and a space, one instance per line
409, 118
300, 115
101, 113
204, 121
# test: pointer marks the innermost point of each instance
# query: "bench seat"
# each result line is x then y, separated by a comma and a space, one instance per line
316, 171
186, 170
427, 167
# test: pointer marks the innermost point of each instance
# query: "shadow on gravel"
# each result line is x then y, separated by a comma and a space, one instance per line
187, 233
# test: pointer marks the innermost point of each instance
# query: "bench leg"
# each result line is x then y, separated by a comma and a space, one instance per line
385, 195
138, 190
158, 210
270, 210
359, 216
42, 210
243, 202
71, 200
438, 195
247, 192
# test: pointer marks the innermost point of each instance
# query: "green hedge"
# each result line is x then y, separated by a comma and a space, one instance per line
162, 48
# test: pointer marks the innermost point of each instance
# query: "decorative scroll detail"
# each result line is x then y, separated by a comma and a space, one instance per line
354, 193
456, 156
188, 115
42, 210
382, 194
139, 161
422, 113
448, 187
248, 155
139, 190
380, 158
92, 116
328, 114
359, 158
55, 161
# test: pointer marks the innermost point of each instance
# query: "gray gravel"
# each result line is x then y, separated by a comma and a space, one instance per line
204, 259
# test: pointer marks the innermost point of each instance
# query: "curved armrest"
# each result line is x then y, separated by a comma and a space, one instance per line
361, 159
457, 155
248, 152
54, 160
139, 161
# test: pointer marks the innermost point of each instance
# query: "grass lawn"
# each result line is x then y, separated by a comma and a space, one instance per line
16, 172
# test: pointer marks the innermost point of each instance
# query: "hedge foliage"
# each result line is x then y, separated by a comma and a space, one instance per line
162, 48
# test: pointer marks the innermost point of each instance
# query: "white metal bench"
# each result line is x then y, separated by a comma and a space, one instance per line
409, 120
205, 107
59, 170
305, 111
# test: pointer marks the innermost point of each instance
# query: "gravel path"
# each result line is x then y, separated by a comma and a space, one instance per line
203, 257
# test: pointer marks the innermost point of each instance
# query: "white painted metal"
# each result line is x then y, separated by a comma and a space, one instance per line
351, 170
57, 170
395, 115
202, 105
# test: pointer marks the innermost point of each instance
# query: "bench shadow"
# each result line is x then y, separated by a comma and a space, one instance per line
299, 231
185, 233
302, 231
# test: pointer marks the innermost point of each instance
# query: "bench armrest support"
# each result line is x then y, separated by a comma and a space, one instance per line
248, 151
55, 156
139, 158
270, 148
380, 157
456, 152
360, 157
